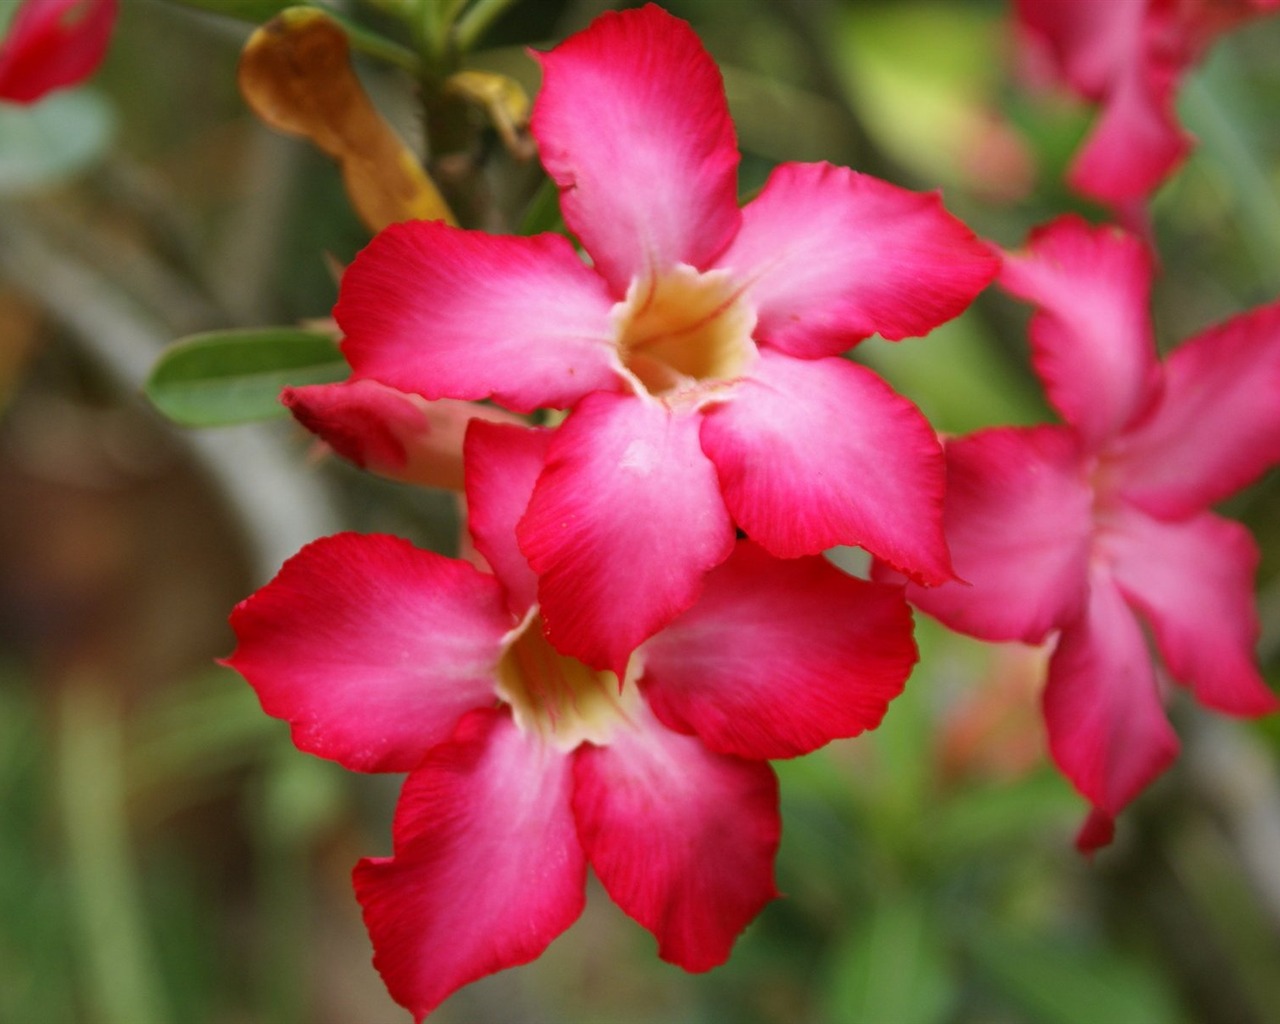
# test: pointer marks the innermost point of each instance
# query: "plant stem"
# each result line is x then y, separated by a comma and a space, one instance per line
475, 20
371, 44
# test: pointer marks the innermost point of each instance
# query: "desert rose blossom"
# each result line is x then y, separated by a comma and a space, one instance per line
52, 44
697, 349
1095, 528
1128, 56
526, 765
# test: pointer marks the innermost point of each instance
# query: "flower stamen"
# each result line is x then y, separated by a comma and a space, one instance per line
563, 700
684, 330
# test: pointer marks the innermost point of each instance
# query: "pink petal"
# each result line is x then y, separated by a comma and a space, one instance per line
1137, 141
1128, 57
812, 454
371, 648
1193, 581
503, 464
632, 124
1098, 830
1218, 426
624, 523
1131, 57
779, 657
1090, 41
447, 313
487, 870
682, 839
1019, 522
400, 436
52, 44
1091, 336
833, 256
1107, 728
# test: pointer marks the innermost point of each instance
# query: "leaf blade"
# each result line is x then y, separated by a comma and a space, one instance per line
219, 378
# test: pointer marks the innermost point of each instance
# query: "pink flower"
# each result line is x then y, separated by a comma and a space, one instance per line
1091, 529
697, 350
1129, 56
52, 44
526, 765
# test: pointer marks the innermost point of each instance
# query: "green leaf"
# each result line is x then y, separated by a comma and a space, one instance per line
226, 377
986, 821
894, 968
1228, 121
1062, 982
543, 212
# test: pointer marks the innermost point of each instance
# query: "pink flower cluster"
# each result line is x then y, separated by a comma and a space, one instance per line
644, 616
607, 680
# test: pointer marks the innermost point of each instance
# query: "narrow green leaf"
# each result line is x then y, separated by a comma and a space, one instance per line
475, 21
543, 212
226, 377
983, 820
120, 977
894, 967
1061, 982
1221, 111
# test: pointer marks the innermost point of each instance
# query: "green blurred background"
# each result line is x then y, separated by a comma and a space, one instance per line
166, 854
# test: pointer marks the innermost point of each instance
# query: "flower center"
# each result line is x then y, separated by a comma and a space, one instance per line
1104, 477
682, 330
560, 698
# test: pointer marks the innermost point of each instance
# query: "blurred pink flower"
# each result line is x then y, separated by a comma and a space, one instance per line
698, 350
1128, 56
526, 765
1092, 528
52, 44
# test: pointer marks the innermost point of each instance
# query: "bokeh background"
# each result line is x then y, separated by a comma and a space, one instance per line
166, 855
